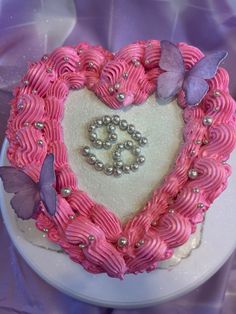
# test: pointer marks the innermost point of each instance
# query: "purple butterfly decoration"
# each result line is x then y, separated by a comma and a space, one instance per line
176, 77
28, 193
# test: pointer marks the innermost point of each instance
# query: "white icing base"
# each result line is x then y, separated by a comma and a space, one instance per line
162, 125
37, 238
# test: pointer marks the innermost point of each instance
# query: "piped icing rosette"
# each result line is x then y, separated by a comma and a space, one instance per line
88, 232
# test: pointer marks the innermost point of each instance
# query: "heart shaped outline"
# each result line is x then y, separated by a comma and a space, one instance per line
87, 231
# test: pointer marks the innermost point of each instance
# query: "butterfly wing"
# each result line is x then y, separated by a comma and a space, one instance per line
49, 197
195, 89
26, 199
26, 202
15, 180
168, 85
207, 67
46, 181
171, 58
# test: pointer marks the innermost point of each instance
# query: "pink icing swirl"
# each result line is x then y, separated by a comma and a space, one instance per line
66, 178
148, 255
52, 131
99, 251
63, 60
39, 79
54, 108
174, 229
81, 202
63, 213
29, 148
107, 221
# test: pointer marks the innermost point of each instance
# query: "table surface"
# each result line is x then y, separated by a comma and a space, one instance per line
38, 28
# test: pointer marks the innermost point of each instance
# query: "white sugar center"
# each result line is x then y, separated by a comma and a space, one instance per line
161, 124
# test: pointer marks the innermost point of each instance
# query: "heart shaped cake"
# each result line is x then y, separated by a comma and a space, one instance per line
120, 170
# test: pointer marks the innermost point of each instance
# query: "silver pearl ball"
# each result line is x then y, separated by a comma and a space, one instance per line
40, 142
200, 205
108, 170
26, 82
136, 151
117, 172
115, 119
207, 120
196, 190
98, 122
49, 70
131, 129
97, 144
140, 159
171, 211
120, 97
106, 120
91, 238
86, 151
126, 169
192, 152
139, 243
106, 145
217, 93
128, 144
120, 146
136, 62
125, 75
90, 64
192, 173
111, 90
99, 165
91, 159
143, 141
116, 155
134, 167
66, 191
111, 128
93, 136
45, 57
118, 164
117, 86
20, 105
136, 135
123, 125
122, 242
92, 127
112, 137
82, 245
39, 125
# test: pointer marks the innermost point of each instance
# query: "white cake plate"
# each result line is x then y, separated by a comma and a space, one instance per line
147, 289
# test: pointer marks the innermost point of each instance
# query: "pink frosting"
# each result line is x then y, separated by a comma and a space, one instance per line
88, 231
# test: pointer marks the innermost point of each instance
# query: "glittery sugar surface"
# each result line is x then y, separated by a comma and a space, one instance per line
162, 125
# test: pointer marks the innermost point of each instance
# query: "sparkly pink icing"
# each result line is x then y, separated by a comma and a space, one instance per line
171, 214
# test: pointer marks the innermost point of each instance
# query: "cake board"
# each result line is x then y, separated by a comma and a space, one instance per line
147, 289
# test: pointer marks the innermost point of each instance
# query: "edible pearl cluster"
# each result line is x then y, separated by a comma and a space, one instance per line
111, 124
